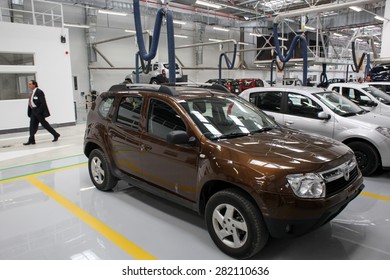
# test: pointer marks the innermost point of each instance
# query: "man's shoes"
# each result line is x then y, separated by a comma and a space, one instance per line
56, 137
29, 143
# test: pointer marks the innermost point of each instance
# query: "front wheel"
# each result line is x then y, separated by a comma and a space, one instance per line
154, 81
366, 156
100, 172
235, 224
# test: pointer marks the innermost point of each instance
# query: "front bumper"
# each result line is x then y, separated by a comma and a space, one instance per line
298, 218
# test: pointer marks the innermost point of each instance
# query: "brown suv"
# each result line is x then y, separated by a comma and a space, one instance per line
217, 154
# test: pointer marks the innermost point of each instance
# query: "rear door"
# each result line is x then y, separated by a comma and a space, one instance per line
270, 102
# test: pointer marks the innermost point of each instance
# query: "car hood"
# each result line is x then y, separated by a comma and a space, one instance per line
370, 120
284, 149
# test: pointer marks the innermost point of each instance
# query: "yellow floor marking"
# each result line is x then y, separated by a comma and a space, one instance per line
121, 241
377, 196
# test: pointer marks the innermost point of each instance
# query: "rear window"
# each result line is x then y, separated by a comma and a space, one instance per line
166, 65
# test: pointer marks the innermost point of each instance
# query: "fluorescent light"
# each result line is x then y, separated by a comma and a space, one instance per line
356, 9
130, 31
179, 21
255, 34
108, 12
379, 18
220, 29
309, 27
208, 4
214, 40
76, 25
243, 43
282, 39
338, 35
180, 36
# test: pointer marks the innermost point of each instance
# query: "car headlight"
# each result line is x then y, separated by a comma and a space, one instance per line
308, 185
384, 131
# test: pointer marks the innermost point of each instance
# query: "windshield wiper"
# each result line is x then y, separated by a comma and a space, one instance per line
232, 135
268, 128
349, 114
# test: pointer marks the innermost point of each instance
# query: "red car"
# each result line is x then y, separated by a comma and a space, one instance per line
250, 83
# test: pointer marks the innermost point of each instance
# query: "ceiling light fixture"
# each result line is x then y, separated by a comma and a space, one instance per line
107, 12
130, 31
208, 4
255, 34
309, 27
180, 36
338, 34
221, 29
356, 9
379, 18
179, 22
282, 39
76, 25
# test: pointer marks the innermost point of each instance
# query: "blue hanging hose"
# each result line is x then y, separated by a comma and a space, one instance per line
229, 64
360, 63
142, 54
291, 50
324, 77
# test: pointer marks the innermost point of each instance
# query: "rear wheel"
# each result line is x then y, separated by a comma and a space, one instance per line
235, 224
367, 157
100, 172
154, 81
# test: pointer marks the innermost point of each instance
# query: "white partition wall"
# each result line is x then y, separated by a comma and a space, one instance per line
52, 69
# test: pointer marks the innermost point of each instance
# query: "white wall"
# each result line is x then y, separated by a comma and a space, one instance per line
52, 68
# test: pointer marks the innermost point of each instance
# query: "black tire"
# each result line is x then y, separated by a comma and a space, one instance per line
367, 157
230, 214
100, 171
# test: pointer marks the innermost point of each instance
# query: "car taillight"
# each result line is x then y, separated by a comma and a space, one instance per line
229, 87
163, 73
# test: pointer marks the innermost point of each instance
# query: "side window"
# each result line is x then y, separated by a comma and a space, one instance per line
336, 89
300, 105
155, 67
268, 101
163, 119
105, 106
129, 111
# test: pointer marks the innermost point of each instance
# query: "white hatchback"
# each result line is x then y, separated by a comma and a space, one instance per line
327, 113
364, 95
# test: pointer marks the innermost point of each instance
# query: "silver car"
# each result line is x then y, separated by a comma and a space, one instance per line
158, 74
364, 95
329, 114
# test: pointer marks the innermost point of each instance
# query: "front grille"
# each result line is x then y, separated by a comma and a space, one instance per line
337, 179
340, 184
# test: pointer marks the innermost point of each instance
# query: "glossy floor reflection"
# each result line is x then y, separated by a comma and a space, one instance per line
49, 209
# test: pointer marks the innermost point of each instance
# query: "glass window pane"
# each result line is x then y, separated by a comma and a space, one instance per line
14, 85
16, 59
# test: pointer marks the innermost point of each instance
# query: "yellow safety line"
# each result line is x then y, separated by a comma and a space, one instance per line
377, 196
121, 241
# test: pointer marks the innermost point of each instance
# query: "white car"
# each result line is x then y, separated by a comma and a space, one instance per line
383, 86
327, 113
364, 95
158, 74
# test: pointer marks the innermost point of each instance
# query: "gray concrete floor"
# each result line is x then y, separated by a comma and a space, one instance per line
49, 209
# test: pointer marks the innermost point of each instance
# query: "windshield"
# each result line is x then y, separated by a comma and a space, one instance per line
378, 94
226, 117
339, 104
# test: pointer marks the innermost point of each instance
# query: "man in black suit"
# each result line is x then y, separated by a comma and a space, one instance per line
37, 111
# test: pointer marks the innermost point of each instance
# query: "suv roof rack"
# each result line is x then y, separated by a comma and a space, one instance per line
166, 88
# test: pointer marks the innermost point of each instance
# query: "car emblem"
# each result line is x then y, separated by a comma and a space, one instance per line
346, 173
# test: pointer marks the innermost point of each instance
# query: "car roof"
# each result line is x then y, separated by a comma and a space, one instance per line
355, 85
182, 91
298, 89
378, 83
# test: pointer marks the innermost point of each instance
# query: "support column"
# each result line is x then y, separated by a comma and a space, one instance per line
198, 38
385, 50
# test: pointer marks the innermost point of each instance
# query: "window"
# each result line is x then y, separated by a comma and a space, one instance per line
163, 119
300, 105
105, 106
268, 101
15, 86
16, 59
356, 96
129, 111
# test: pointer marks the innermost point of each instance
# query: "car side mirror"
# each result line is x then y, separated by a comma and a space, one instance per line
323, 116
179, 137
371, 103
